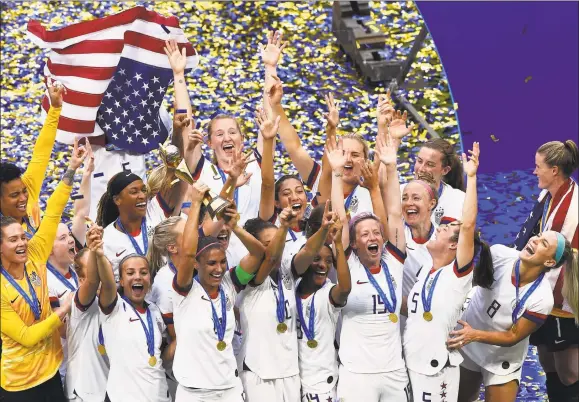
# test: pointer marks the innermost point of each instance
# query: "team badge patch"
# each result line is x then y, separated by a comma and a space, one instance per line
227, 303
287, 282
354, 205
35, 279
438, 214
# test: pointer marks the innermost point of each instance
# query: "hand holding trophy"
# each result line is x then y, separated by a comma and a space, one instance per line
214, 204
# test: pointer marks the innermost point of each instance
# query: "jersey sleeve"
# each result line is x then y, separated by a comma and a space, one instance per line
110, 310
393, 255
16, 329
501, 253
332, 308
540, 305
53, 297
163, 298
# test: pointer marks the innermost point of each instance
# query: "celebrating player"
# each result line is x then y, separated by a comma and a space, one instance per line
558, 339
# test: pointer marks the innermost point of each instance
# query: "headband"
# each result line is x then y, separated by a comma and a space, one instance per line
213, 243
427, 187
560, 247
120, 181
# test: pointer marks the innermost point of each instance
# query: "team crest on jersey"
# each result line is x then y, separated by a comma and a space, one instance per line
354, 205
393, 281
287, 282
438, 214
150, 231
227, 303
35, 279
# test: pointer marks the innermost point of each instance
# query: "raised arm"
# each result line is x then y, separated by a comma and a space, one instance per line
394, 224
465, 247
36, 169
371, 181
108, 292
274, 250
341, 291
268, 128
88, 288
288, 135
332, 121
82, 205
251, 262
337, 159
270, 54
304, 258
186, 267
40, 246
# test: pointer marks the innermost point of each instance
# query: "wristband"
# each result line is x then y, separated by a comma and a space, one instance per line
180, 111
243, 276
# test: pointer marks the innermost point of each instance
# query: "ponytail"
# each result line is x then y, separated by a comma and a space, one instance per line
107, 211
564, 155
163, 235
455, 177
483, 275
571, 281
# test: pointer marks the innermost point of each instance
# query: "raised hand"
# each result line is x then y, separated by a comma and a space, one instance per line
180, 121
287, 217
177, 59
198, 190
94, 240
274, 91
238, 163
386, 150
271, 52
79, 154
56, 92
397, 127
336, 155
336, 231
329, 217
267, 126
333, 114
471, 165
195, 138
89, 162
385, 110
369, 173
232, 216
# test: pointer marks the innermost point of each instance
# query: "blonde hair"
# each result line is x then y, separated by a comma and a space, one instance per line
164, 234
564, 155
360, 139
158, 180
571, 284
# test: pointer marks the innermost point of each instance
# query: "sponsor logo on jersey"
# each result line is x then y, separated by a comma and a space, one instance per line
133, 319
119, 253
62, 294
359, 282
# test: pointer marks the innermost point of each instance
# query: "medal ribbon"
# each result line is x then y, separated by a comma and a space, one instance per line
31, 231
62, 278
309, 332
427, 300
520, 303
149, 332
133, 241
546, 208
101, 336
32, 301
280, 300
224, 179
391, 308
172, 267
219, 326
440, 189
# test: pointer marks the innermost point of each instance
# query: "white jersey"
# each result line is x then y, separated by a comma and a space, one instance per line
450, 202
369, 341
198, 363
131, 378
357, 202
58, 291
117, 245
491, 310
247, 197
450, 291
417, 256
261, 341
235, 251
319, 366
87, 369
162, 292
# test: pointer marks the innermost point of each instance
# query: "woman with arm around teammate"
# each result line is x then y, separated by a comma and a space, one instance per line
556, 209
435, 301
498, 321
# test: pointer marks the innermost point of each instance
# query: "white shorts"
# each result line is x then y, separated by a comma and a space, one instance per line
378, 387
320, 397
234, 394
441, 387
488, 377
278, 390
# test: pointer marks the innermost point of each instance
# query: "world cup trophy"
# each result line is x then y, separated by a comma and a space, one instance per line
214, 204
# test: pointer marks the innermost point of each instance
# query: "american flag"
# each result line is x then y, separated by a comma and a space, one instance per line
116, 74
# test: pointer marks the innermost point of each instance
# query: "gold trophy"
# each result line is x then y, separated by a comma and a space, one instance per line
214, 204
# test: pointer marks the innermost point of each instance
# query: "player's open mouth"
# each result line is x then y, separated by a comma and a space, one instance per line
529, 249
21, 251
373, 248
216, 275
412, 211
296, 206
71, 251
138, 289
222, 237
228, 147
321, 272
348, 167
141, 205
21, 207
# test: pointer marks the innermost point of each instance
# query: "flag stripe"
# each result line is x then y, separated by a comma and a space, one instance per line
76, 126
93, 46
94, 26
153, 44
87, 60
91, 73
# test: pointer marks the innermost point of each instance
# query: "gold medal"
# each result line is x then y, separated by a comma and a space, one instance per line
101, 349
152, 361
221, 345
427, 315
281, 327
312, 343
393, 317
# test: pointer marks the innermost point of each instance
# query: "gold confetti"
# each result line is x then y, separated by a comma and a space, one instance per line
529, 78
495, 139
455, 105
